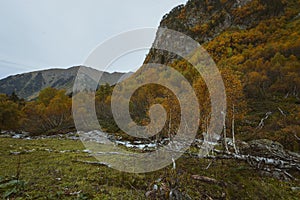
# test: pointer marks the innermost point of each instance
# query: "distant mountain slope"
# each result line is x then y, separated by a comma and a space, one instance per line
28, 85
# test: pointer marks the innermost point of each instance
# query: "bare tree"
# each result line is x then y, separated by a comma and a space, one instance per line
224, 132
233, 133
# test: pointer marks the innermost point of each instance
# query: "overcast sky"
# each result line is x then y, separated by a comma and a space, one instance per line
38, 34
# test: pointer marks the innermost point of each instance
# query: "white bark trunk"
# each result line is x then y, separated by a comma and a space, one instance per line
233, 133
225, 135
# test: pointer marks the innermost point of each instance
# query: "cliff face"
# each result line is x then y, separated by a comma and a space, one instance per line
28, 85
205, 20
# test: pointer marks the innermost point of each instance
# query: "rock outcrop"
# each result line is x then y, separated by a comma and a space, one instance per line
205, 20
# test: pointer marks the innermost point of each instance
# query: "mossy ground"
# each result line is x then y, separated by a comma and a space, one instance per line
50, 173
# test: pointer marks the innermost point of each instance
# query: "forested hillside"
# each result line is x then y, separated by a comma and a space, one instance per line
256, 45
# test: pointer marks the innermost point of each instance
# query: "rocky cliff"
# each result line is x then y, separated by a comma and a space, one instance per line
205, 20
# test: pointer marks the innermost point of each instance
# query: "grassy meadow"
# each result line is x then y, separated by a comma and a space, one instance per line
49, 169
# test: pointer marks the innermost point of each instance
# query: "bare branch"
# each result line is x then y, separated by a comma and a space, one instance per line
262, 121
281, 111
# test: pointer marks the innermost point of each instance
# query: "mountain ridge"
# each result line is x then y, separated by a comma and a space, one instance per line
28, 85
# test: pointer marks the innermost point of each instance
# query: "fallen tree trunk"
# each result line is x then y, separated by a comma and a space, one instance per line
93, 163
256, 160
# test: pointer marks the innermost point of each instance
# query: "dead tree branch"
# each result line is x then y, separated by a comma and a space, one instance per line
262, 121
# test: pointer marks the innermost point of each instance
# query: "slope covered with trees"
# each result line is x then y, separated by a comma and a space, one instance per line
256, 45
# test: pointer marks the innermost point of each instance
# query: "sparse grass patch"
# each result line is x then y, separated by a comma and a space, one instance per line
48, 168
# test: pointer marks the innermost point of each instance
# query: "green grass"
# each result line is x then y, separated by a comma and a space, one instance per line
55, 175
